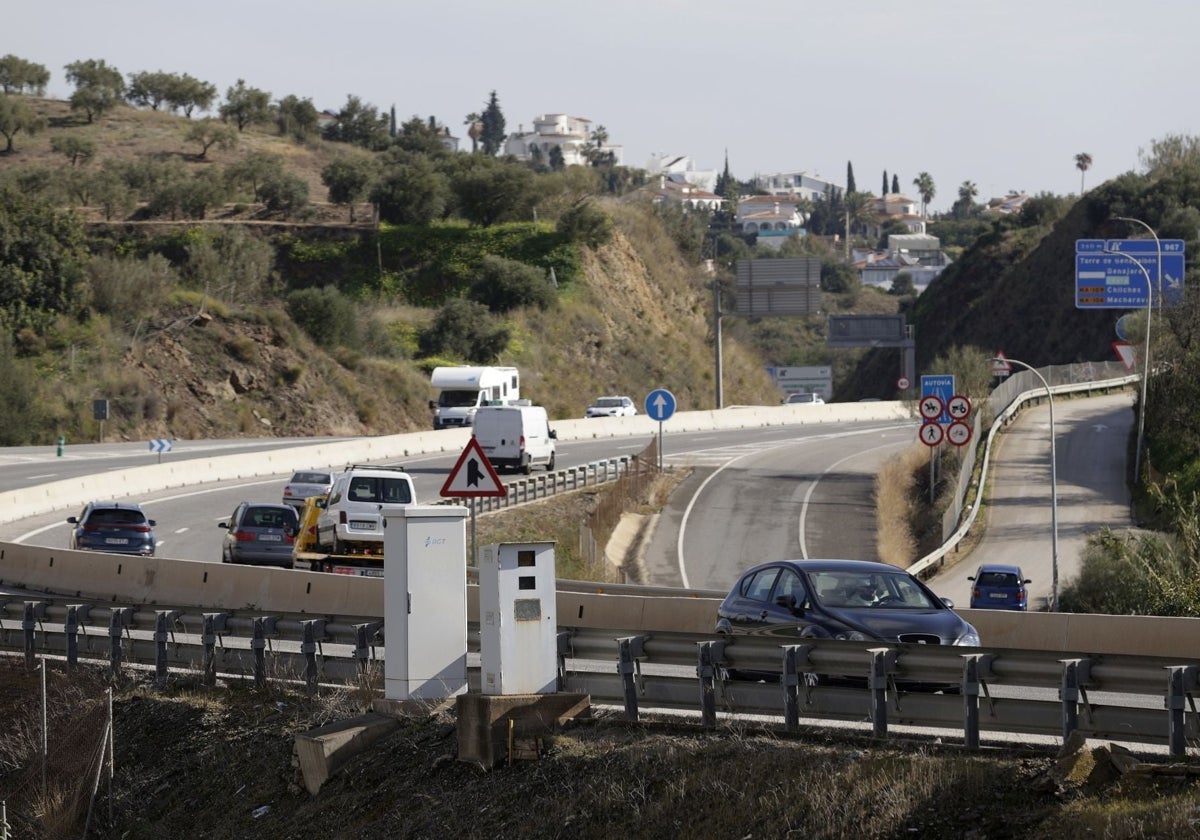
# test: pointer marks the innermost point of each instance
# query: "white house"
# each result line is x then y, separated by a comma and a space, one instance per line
897, 207
675, 188
772, 217
682, 165
796, 183
918, 255
571, 135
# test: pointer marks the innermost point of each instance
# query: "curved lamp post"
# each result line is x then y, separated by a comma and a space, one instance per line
1137, 455
1053, 485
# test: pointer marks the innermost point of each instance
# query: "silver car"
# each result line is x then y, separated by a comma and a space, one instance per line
305, 483
611, 407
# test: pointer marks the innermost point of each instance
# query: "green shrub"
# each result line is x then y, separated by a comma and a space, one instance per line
326, 315
507, 284
586, 224
466, 330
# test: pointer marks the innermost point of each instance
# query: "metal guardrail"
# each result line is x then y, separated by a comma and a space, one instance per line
325, 650
538, 487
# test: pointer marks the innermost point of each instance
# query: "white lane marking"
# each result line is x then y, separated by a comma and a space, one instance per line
812, 488
180, 530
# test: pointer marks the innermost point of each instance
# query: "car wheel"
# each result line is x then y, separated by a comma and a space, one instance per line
527, 468
550, 463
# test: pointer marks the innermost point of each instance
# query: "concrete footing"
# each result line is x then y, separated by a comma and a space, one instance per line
323, 750
486, 722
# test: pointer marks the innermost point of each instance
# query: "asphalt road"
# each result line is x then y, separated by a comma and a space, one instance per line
1088, 487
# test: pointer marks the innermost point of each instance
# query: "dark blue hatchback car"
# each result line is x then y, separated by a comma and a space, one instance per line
999, 587
117, 527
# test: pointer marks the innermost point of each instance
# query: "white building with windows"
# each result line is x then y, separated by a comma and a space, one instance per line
682, 168
571, 135
798, 183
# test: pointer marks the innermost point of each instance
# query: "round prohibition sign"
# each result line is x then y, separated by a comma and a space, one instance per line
959, 407
931, 433
932, 407
958, 433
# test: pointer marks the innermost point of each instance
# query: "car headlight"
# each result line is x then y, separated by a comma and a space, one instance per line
970, 638
852, 636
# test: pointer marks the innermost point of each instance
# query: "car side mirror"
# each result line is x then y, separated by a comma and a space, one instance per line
74, 520
970, 577
222, 524
553, 435
151, 522
1027, 580
433, 403
788, 602
948, 603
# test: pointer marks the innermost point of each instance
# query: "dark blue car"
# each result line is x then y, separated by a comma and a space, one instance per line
999, 587
117, 527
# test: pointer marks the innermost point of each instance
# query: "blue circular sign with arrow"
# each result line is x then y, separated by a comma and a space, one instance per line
660, 404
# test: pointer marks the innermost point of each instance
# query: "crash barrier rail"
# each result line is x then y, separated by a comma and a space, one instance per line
537, 487
1005, 403
820, 679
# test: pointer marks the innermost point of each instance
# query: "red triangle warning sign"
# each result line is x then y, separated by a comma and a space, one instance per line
473, 475
1125, 353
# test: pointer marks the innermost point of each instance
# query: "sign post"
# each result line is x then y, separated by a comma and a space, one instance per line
472, 476
660, 405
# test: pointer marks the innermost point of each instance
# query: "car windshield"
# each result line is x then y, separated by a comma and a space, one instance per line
888, 590
458, 399
608, 402
393, 491
269, 517
116, 516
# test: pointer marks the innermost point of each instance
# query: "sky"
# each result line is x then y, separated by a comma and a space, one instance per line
1001, 94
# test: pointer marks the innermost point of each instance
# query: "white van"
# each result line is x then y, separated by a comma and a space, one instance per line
515, 437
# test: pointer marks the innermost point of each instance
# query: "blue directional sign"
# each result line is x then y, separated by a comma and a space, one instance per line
1109, 273
160, 445
942, 387
660, 404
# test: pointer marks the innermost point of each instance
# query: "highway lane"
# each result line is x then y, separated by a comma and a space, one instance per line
1090, 447
187, 517
758, 501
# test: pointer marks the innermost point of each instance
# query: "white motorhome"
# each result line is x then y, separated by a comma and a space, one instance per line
463, 389
515, 437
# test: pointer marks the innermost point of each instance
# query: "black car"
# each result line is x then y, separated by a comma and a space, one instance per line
260, 534
116, 527
855, 600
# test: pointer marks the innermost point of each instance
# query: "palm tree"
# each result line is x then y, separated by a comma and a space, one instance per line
1082, 161
966, 199
474, 125
924, 184
860, 210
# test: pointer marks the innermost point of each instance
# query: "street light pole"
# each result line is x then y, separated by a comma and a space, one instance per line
1157, 250
1137, 455
1053, 484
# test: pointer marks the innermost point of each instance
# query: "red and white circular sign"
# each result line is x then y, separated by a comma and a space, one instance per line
958, 433
959, 407
931, 433
932, 407
903, 383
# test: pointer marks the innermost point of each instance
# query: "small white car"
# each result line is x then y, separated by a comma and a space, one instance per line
611, 407
352, 518
804, 399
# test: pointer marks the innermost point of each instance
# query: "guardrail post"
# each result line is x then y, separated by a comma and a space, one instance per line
1075, 673
309, 648
564, 650
116, 622
970, 692
214, 623
629, 650
34, 610
883, 661
75, 613
795, 657
160, 649
258, 644
710, 653
1180, 678
363, 633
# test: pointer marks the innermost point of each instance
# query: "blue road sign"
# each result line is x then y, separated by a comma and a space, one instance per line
1108, 276
160, 446
942, 387
660, 404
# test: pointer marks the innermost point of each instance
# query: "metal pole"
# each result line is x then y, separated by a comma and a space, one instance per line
717, 339
1053, 486
1137, 455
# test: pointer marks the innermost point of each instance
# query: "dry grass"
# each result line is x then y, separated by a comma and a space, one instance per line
896, 504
